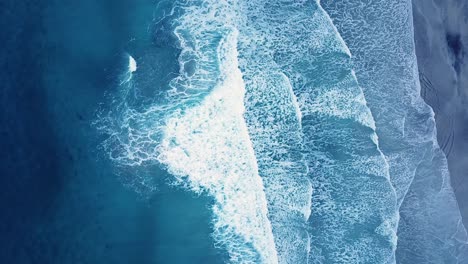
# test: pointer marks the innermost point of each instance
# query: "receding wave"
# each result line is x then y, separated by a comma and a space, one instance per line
380, 35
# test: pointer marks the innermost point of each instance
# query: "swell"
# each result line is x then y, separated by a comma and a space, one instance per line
380, 35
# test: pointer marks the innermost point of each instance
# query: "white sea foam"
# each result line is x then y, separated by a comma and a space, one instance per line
276, 134
209, 146
335, 30
274, 120
127, 75
294, 101
343, 101
132, 65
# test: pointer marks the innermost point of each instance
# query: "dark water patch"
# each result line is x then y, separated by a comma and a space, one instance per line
454, 43
455, 46
30, 171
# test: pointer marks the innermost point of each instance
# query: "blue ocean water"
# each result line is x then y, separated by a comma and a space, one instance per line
62, 200
219, 132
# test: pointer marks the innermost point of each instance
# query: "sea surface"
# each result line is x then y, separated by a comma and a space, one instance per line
213, 131
62, 200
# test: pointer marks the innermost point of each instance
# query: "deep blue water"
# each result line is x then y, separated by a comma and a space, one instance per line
61, 199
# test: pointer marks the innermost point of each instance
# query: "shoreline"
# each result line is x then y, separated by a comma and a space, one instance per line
441, 37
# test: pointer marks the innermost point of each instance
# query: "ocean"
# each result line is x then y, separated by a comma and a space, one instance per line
225, 131
62, 200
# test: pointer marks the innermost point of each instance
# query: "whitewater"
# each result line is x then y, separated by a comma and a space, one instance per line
298, 138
